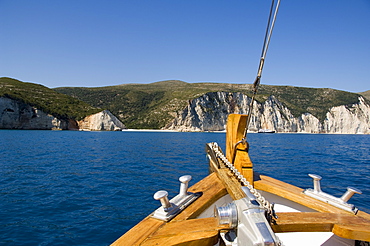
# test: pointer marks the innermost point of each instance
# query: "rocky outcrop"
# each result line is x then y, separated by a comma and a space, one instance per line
209, 113
15, 114
349, 119
18, 115
102, 121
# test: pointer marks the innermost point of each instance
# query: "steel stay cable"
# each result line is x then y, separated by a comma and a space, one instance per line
268, 34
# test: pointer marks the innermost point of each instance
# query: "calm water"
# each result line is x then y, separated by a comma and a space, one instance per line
88, 188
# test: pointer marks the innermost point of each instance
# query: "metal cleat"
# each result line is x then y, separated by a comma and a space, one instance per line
162, 196
349, 193
184, 184
341, 202
170, 208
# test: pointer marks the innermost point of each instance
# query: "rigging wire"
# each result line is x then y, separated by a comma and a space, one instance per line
270, 26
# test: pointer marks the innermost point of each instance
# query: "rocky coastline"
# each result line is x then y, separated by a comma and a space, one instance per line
15, 114
209, 113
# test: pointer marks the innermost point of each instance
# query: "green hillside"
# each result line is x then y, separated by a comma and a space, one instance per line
48, 100
154, 105
366, 94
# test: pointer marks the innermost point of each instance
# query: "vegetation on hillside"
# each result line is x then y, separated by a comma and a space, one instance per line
45, 99
316, 101
156, 104
366, 94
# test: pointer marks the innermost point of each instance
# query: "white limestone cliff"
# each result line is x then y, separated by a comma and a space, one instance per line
15, 114
209, 113
102, 121
18, 115
349, 119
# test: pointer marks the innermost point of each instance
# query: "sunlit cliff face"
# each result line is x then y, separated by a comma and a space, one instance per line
209, 113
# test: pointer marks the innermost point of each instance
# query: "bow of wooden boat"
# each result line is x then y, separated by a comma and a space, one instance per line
191, 228
186, 227
296, 211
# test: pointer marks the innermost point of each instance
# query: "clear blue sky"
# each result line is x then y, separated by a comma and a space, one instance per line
315, 43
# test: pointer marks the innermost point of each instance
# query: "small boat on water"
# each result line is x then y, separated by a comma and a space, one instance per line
234, 205
266, 131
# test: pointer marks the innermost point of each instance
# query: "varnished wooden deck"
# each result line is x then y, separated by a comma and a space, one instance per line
186, 229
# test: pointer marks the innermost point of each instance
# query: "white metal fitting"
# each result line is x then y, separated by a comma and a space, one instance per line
162, 196
184, 184
316, 182
327, 198
170, 208
349, 193
227, 215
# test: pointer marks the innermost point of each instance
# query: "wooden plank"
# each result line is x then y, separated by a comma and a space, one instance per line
353, 231
206, 238
294, 194
314, 221
343, 225
234, 132
304, 222
140, 232
363, 214
236, 124
229, 181
211, 188
196, 232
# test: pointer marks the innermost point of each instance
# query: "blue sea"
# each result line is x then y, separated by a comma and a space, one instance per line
88, 188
